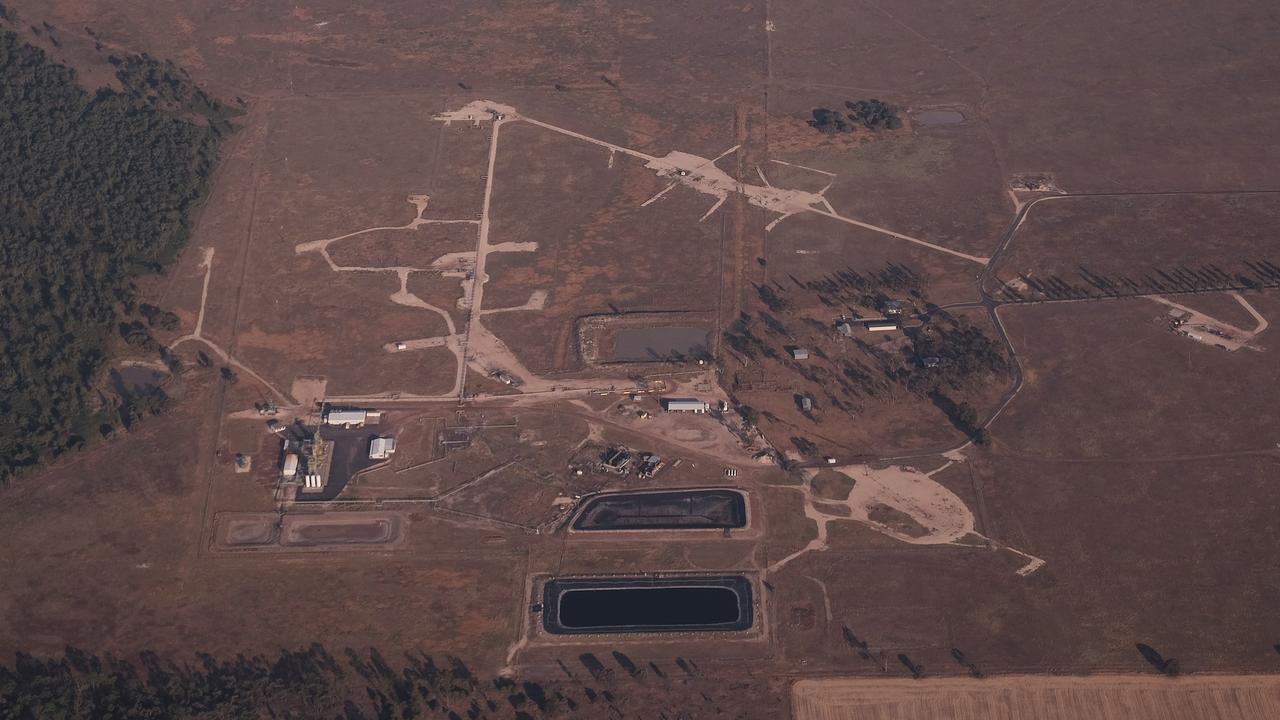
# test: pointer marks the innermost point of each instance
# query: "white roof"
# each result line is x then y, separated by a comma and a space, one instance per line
382, 447
683, 403
342, 417
290, 464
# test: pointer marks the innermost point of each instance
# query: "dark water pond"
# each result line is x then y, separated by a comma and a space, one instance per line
660, 343
677, 509
132, 380
674, 606
677, 604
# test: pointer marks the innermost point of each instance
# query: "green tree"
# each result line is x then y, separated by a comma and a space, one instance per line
95, 189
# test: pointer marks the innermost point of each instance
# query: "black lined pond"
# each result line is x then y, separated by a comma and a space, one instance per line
643, 604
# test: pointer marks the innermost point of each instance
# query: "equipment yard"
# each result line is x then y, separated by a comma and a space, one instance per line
732, 360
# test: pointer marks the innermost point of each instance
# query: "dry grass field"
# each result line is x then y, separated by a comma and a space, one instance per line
812, 248
1124, 494
1144, 239
598, 251
1112, 380
1225, 697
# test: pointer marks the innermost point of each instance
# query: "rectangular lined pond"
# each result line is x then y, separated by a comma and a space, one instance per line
658, 343
713, 509
645, 605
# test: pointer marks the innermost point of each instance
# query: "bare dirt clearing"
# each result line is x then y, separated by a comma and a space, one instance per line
405, 248
347, 528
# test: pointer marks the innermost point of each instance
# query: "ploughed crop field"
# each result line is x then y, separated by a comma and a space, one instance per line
1229, 697
687, 509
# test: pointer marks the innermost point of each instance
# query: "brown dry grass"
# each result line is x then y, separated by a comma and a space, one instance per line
1140, 236
1110, 380
1128, 697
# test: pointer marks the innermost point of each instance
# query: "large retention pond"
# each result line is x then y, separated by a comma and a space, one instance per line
670, 510
660, 343
643, 604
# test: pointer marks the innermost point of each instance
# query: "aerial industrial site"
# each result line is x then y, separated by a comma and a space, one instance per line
806, 360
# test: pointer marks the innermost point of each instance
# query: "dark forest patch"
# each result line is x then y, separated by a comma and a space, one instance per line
97, 190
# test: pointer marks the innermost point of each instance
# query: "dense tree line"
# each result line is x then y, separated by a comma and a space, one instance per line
1256, 274
314, 683
95, 189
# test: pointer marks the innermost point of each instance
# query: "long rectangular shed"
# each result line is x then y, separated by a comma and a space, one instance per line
684, 405
354, 418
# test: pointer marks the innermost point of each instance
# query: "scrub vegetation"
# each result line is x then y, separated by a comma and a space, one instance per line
871, 114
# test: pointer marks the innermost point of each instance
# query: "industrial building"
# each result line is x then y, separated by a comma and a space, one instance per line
381, 448
290, 467
684, 405
345, 418
800, 353
881, 325
617, 461
650, 464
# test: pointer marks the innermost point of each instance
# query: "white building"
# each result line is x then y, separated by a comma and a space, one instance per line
290, 467
881, 325
799, 353
382, 448
345, 418
684, 405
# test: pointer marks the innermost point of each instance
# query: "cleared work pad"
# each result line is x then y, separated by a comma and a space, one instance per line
341, 528
1019, 697
645, 605
682, 509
